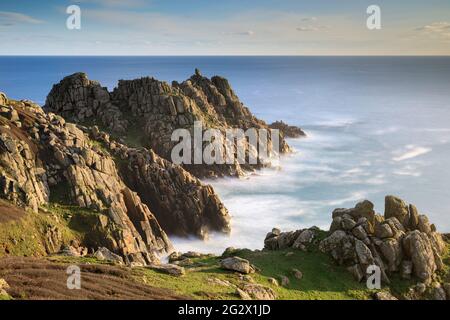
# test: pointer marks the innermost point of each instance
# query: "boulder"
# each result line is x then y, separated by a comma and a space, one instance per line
364, 254
273, 281
413, 217
305, 237
3, 286
103, 254
423, 224
333, 241
242, 294
418, 249
257, 292
237, 264
297, 274
364, 209
3, 99
391, 250
383, 231
284, 281
171, 269
384, 295
359, 232
348, 224
397, 208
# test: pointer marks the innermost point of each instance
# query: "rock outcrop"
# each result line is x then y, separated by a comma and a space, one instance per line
41, 153
139, 195
145, 112
402, 241
181, 203
287, 130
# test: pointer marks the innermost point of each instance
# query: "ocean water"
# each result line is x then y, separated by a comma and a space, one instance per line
375, 125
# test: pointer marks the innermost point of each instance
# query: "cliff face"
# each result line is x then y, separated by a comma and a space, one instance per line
146, 112
40, 152
138, 195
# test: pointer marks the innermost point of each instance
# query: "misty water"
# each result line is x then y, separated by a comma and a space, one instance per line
375, 126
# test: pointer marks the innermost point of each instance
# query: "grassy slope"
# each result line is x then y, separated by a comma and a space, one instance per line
321, 278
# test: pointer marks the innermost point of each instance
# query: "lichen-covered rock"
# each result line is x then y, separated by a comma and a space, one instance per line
257, 292
172, 269
103, 254
384, 295
396, 207
418, 249
237, 264
3, 286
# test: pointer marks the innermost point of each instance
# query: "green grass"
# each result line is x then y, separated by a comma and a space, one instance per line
5, 297
195, 283
26, 237
321, 278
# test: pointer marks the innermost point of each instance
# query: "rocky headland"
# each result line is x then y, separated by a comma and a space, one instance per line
89, 174
88, 180
146, 111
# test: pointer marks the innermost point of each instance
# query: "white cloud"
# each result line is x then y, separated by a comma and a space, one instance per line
411, 152
239, 33
440, 29
12, 18
309, 19
310, 28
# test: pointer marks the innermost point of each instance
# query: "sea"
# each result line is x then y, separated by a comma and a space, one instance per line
375, 126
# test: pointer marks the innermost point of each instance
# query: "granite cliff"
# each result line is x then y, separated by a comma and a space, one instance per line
138, 197
146, 112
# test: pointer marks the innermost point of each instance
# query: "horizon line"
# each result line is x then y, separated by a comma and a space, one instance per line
231, 55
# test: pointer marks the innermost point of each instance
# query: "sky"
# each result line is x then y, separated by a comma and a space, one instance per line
227, 27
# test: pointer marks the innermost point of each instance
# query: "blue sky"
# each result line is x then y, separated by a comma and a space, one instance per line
231, 27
